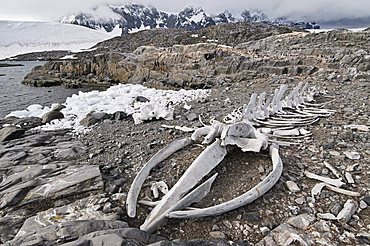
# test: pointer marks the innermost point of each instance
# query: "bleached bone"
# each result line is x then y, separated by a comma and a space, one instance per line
349, 178
216, 130
332, 169
316, 190
201, 166
245, 144
159, 186
292, 132
145, 170
200, 132
249, 110
348, 210
260, 113
335, 182
180, 128
242, 200
193, 197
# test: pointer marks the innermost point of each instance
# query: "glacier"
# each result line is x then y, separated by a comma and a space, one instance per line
19, 37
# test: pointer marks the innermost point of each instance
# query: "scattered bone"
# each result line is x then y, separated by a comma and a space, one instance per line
349, 178
180, 128
144, 172
352, 167
353, 155
326, 216
332, 169
362, 128
152, 111
348, 210
292, 186
159, 186
335, 182
316, 190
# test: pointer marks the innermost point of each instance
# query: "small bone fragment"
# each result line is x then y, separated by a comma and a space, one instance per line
292, 186
293, 132
201, 166
332, 169
144, 172
186, 106
159, 186
326, 216
335, 182
148, 203
246, 198
349, 178
193, 197
348, 210
303, 131
353, 155
180, 128
362, 128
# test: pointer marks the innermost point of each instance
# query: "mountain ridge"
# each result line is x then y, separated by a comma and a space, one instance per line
136, 17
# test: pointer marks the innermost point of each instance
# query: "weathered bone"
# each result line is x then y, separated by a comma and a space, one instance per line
335, 182
246, 198
193, 197
201, 166
145, 170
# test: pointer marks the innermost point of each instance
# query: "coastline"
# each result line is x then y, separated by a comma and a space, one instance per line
102, 163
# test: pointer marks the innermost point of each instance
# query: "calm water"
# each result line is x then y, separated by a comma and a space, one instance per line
16, 96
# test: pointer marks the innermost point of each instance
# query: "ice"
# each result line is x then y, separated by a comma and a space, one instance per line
116, 98
19, 37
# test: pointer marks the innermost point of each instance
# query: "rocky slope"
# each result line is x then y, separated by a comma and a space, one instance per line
134, 17
60, 189
164, 56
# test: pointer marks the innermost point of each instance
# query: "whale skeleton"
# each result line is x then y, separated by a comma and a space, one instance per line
267, 121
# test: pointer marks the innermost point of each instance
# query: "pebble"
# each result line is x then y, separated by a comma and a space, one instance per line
292, 186
363, 205
352, 155
265, 231
217, 234
300, 200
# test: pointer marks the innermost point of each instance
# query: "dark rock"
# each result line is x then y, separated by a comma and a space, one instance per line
10, 133
88, 121
119, 115
142, 99
52, 115
366, 199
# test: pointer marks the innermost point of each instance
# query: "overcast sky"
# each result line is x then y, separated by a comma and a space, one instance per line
319, 10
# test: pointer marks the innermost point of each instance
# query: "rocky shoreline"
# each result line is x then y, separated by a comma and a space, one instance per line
60, 188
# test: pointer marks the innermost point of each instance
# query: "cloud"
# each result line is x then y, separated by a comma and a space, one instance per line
318, 10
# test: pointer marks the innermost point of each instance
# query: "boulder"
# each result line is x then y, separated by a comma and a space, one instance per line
10, 133
52, 115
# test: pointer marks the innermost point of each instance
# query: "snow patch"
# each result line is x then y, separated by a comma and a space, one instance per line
18, 37
116, 98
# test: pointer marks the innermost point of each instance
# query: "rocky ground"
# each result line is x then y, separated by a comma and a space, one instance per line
57, 188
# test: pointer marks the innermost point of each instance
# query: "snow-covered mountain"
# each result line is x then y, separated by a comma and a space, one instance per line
135, 17
23, 37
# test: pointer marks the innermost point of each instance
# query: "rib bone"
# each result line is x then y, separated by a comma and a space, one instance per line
145, 170
201, 166
246, 198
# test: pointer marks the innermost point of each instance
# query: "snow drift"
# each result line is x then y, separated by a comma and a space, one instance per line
24, 37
